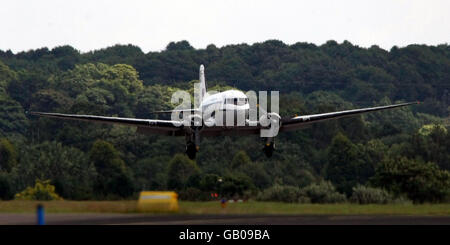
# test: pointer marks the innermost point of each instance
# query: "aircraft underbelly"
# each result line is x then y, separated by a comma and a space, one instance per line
231, 119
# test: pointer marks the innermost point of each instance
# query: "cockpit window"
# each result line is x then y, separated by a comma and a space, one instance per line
242, 101
236, 101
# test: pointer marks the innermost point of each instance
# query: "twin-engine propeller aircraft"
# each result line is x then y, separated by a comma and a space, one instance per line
193, 125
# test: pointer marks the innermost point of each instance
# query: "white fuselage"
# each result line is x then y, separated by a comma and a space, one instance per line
232, 106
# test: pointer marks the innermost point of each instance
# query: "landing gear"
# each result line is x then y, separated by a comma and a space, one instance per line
192, 143
268, 148
191, 150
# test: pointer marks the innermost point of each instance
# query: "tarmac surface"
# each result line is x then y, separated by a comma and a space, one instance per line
148, 219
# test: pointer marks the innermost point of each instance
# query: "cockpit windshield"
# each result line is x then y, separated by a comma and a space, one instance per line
236, 101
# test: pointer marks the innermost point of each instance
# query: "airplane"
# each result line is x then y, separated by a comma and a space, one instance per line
231, 101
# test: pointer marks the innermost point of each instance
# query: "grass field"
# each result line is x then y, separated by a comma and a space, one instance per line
232, 208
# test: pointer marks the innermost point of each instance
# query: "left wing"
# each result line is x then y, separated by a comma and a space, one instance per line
151, 126
299, 121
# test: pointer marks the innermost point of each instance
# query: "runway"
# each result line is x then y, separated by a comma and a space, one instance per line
147, 219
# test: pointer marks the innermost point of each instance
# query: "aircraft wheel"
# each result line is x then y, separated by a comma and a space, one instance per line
191, 150
268, 149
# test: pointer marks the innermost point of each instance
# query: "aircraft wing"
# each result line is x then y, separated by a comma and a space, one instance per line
300, 121
146, 126
173, 128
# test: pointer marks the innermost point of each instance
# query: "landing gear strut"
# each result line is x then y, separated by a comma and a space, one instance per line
191, 150
268, 148
192, 143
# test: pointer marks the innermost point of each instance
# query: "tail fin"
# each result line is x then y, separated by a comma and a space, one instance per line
202, 83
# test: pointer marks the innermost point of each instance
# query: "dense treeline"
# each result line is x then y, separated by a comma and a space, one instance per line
402, 153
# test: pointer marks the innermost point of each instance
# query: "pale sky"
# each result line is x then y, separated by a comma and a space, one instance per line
93, 24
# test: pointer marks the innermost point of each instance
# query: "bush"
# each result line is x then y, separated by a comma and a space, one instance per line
279, 193
42, 191
420, 181
402, 200
236, 185
324, 192
303, 199
368, 195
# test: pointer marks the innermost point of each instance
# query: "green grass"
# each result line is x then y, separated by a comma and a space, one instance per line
69, 206
321, 209
231, 208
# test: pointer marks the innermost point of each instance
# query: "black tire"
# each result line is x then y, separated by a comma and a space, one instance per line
268, 150
191, 150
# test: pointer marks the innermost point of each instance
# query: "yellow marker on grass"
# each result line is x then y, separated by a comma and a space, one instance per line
157, 201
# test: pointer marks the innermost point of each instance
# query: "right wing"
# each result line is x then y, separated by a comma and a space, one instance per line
146, 126
293, 123
300, 121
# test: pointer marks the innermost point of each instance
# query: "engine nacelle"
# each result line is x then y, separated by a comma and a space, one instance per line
271, 123
193, 120
270, 119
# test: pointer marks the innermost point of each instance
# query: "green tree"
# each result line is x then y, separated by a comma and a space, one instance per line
68, 168
240, 159
257, 173
8, 155
50, 100
113, 176
6, 77
431, 143
343, 164
420, 181
181, 171
181, 45
210, 182
12, 117
6, 186
151, 173
369, 156
114, 87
